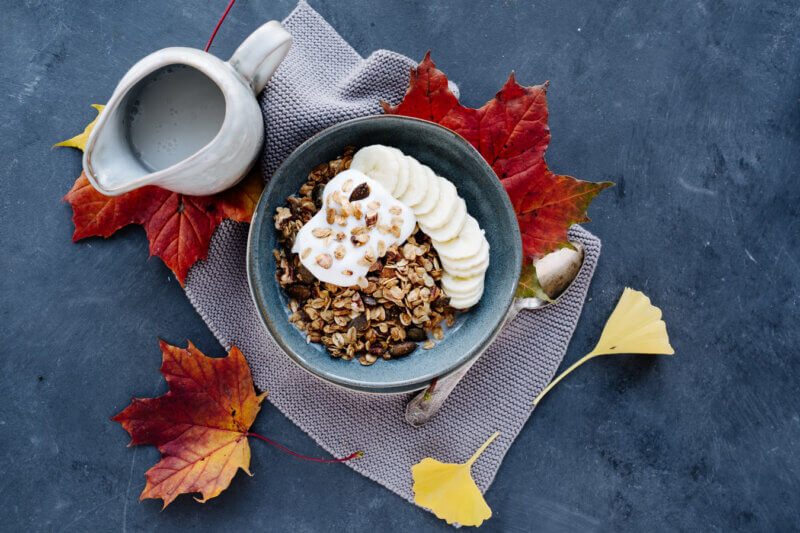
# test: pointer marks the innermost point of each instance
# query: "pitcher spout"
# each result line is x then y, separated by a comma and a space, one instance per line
109, 164
160, 127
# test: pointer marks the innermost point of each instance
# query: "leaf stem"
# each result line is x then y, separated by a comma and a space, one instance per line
563, 375
287, 450
431, 387
483, 447
214, 33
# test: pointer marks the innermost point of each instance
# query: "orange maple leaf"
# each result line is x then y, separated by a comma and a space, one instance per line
200, 426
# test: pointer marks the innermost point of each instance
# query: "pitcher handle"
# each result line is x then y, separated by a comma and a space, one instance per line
259, 55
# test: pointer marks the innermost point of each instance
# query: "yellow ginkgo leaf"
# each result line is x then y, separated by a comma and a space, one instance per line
634, 327
449, 491
79, 141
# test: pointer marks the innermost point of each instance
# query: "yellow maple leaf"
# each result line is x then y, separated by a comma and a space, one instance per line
634, 327
449, 491
79, 141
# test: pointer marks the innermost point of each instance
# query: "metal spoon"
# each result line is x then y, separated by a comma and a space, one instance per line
556, 272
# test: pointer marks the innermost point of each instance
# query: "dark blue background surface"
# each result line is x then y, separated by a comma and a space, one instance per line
692, 108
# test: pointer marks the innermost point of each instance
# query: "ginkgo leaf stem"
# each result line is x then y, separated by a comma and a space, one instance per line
561, 376
287, 450
483, 447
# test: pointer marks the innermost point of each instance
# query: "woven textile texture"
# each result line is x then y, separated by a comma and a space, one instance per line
324, 81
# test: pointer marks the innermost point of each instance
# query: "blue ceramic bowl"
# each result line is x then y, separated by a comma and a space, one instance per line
449, 155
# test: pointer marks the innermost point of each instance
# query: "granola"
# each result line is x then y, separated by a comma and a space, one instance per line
388, 312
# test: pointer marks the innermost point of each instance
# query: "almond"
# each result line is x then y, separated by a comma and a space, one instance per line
372, 218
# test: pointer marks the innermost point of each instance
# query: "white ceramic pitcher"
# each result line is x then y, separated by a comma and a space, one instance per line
185, 120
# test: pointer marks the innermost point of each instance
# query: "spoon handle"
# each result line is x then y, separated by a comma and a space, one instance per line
420, 411
556, 273
424, 406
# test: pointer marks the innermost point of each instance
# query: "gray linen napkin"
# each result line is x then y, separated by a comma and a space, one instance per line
324, 81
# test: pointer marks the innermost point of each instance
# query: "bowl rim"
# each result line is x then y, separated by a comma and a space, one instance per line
358, 385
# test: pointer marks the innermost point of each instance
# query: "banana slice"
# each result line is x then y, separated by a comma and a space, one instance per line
468, 262
476, 294
417, 183
431, 199
466, 244
456, 287
402, 183
469, 272
466, 302
452, 227
380, 163
448, 203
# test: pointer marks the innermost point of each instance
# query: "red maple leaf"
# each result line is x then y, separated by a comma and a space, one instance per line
511, 133
179, 227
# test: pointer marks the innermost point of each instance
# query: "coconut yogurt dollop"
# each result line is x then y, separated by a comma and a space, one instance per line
359, 220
